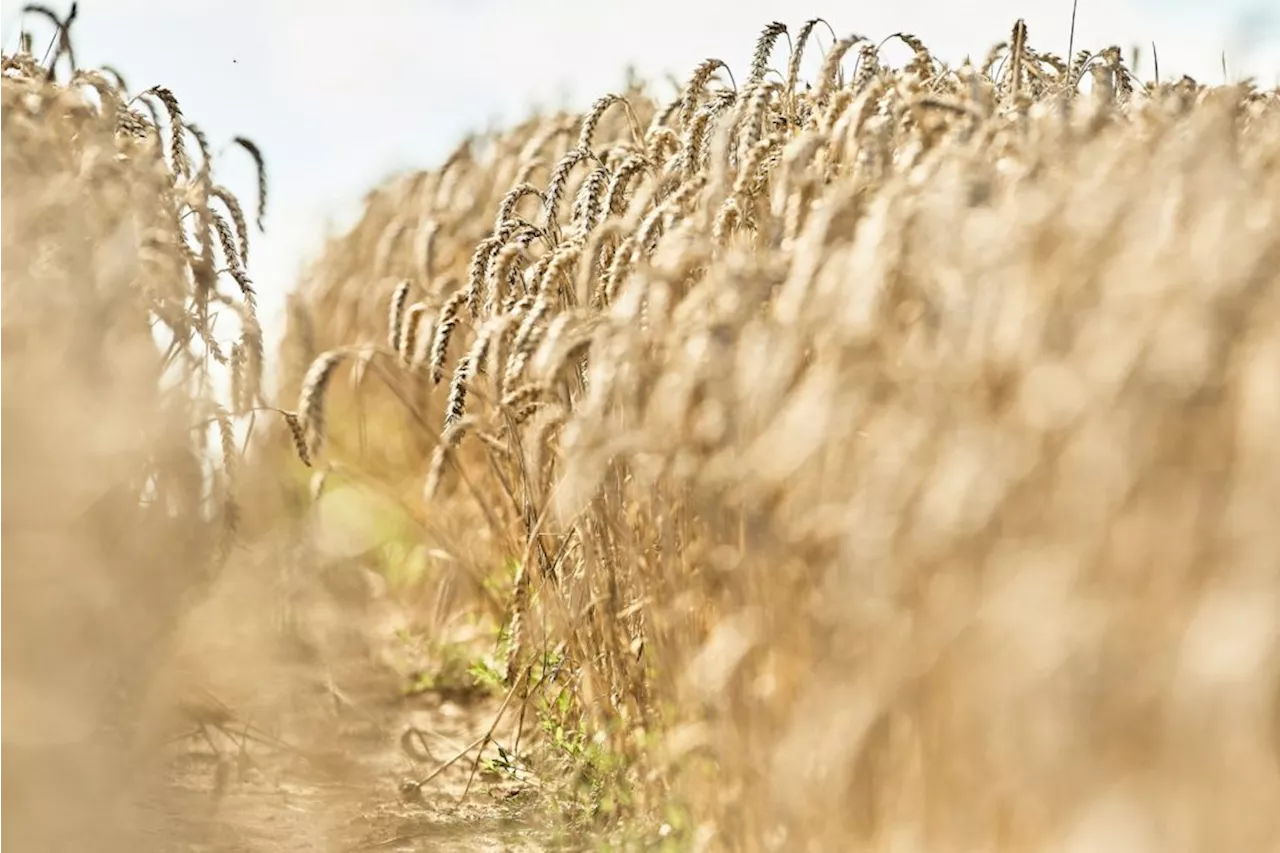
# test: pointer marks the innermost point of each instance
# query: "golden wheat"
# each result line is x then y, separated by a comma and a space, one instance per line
891, 448
117, 511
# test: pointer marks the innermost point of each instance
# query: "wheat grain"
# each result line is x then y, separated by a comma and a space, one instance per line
449, 441
299, 436
407, 343
555, 187
177, 129
445, 323
764, 47
237, 217
395, 315
260, 164
311, 399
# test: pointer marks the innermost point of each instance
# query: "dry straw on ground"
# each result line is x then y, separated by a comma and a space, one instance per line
891, 454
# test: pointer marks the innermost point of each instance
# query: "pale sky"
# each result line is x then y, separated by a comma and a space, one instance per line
340, 95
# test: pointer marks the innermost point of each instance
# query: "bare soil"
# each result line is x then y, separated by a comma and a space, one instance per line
353, 740
344, 790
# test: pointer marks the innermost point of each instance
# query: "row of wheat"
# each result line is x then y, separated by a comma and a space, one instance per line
889, 455
131, 351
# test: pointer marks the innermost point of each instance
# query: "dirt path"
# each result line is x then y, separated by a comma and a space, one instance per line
340, 705
342, 791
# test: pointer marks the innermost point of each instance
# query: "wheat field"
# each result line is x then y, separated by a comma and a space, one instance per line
865, 457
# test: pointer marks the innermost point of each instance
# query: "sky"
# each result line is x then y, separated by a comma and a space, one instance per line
339, 96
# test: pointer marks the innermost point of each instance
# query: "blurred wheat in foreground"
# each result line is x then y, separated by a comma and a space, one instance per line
891, 456
114, 516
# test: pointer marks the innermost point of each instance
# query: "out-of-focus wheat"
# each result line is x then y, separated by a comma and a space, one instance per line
905, 449
119, 451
